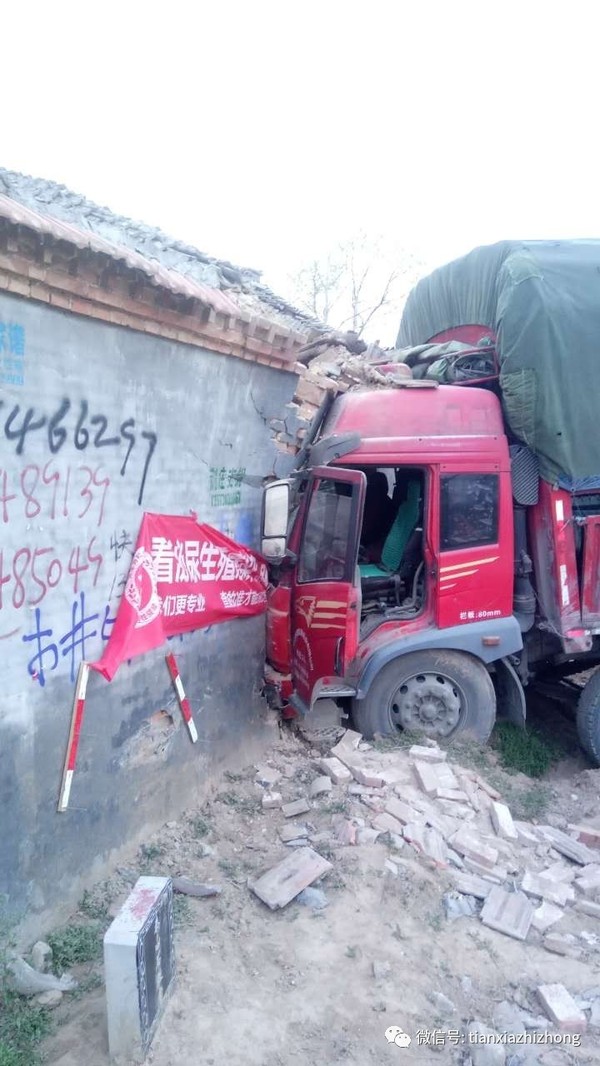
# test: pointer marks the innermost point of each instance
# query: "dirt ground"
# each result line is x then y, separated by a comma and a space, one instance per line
301, 987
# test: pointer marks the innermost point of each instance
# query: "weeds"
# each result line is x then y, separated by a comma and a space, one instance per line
402, 738
182, 911
150, 852
22, 1025
529, 806
199, 826
525, 751
75, 944
94, 908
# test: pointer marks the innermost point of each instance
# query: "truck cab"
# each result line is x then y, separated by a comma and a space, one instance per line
392, 564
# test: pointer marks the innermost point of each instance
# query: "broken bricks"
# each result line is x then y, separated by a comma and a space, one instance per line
299, 806
285, 881
508, 912
434, 776
554, 891
336, 770
468, 844
561, 1008
502, 821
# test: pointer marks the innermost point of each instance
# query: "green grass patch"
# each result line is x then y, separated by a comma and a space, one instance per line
75, 944
525, 751
199, 826
22, 1027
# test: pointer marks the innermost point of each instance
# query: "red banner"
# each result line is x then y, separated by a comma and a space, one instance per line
183, 576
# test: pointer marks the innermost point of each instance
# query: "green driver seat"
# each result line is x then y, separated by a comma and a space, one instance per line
401, 530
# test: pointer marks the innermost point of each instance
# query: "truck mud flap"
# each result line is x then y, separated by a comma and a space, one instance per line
510, 695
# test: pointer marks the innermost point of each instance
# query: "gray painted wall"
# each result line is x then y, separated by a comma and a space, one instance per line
70, 508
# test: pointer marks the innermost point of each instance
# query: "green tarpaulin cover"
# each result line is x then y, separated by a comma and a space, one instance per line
542, 300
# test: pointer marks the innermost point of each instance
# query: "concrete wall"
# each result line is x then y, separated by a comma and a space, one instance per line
98, 424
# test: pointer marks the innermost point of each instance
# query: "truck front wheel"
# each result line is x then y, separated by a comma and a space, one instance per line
588, 718
442, 694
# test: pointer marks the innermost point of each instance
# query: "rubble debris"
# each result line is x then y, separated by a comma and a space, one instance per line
485, 1046
545, 915
561, 1008
526, 833
336, 770
471, 885
401, 811
586, 906
560, 872
292, 832
367, 835
555, 892
41, 956
502, 821
285, 881
428, 841
28, 982
433, 776
320, 786
348, 743
589, 879
497, 874
185, 887
391, 867
271, 800
314, 898
509, 1020
267, 776
565, 844
470, 846
586, 834
508, 912
386, 823
427, 754
484, 785
299, 806
458, 906
561, 945
343, 830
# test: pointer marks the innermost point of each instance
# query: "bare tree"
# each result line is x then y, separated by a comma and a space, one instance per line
355, 284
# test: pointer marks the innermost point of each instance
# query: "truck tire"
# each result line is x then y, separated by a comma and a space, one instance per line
441, 693
588, 718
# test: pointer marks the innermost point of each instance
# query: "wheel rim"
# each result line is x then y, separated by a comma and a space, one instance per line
430, 703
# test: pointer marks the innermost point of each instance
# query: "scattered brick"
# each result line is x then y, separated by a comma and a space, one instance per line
286, 880
320, 785
555, 892
428, 841
508, 912
484, 786
471, 885
433, 776
561, 1008
565, 844
546, 915
336, 770
502, 821
526, 833
586, 834
299, 806
271, 800
589, 879
364, 776
362, 790
496, 874
468, 844
469, 788
348, 743
586, 906
559, 872
456, 795
386, 823
419, 751
402, 811
267, 776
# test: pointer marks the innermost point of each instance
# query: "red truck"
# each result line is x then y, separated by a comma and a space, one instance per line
427, 563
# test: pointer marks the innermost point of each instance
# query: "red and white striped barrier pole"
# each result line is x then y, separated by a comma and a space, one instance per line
182, 699
74, 733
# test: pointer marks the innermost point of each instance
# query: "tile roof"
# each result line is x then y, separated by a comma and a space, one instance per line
52, 209
166, 278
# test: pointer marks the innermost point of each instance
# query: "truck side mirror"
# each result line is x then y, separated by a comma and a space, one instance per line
276, 504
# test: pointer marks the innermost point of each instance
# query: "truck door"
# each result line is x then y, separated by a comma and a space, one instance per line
326, 587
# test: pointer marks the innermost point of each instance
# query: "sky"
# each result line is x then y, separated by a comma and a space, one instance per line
265, 133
